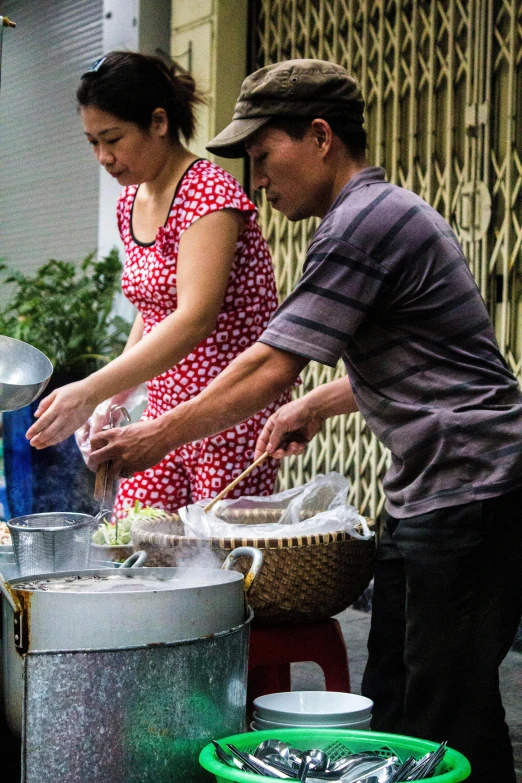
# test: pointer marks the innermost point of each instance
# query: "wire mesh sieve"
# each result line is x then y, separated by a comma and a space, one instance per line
56, 541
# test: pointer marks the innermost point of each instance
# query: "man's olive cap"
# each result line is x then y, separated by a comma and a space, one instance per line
292, 88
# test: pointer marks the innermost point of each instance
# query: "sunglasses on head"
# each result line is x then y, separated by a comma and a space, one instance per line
95, 67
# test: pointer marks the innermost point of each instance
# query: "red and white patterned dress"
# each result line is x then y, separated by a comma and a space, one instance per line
203, 468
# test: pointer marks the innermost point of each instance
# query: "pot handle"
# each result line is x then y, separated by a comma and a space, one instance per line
257, 562
10, 595
135, 560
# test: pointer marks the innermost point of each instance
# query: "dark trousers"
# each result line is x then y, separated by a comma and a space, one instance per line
446, 606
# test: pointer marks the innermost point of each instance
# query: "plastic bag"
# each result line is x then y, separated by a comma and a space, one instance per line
135, 401
328, 492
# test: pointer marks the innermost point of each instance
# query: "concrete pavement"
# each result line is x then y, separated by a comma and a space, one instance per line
355, 626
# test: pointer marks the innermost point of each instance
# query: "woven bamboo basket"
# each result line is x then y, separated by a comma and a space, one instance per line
303, 579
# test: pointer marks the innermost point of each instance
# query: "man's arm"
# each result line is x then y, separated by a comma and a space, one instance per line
253, 380
297, 422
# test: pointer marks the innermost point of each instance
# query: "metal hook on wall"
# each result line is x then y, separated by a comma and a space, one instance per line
4, 22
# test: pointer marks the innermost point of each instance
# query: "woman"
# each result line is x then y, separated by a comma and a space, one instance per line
197, 268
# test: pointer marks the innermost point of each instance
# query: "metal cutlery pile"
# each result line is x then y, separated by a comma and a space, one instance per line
275, 759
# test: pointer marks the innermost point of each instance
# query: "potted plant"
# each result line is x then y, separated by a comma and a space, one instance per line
65, 310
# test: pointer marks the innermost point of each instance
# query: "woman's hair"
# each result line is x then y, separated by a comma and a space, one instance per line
131, 85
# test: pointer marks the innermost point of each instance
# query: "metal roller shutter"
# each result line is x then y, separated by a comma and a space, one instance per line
49, 179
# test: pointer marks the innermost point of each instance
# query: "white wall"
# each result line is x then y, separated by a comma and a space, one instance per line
136, 26
48, 175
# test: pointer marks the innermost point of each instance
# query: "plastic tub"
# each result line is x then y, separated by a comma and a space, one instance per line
337, 743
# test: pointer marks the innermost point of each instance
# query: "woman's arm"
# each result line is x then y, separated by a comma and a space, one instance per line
135, 334
206, 255
101, 416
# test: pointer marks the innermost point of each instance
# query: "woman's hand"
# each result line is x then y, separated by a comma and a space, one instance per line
289, 430
99, 419
60, 414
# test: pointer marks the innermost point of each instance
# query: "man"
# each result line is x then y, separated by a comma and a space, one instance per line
386, 288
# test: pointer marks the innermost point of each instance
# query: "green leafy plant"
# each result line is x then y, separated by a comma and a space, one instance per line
65, 310
106, 532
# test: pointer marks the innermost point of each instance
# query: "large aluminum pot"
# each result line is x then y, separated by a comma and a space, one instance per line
9, 571
177, 604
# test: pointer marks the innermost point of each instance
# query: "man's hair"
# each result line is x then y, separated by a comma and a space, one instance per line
354, 139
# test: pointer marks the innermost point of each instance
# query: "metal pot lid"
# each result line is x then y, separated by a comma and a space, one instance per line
127, 580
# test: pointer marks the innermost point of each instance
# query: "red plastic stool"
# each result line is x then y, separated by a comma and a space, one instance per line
273, 649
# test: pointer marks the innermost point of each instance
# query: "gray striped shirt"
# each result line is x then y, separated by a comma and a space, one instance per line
386, 287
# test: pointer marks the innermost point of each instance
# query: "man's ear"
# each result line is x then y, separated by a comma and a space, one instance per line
159, 124
322, 134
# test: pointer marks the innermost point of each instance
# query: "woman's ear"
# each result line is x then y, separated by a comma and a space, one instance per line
159, 124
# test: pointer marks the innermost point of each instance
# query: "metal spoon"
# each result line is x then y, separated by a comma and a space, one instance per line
274, 751
348, 761
256, 765
303, 768
226, 758
273, 746
369, 768
326, 775
339, 772
370, 779
318, 760
277, 761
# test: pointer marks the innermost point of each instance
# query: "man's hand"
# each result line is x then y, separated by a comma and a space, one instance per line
289, 430
249, 383
129, 449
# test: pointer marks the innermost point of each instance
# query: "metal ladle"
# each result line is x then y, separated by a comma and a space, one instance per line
24, 372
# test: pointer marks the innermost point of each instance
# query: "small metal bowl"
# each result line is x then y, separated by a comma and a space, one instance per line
24, 373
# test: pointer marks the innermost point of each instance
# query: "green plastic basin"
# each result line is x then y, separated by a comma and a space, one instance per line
453, 768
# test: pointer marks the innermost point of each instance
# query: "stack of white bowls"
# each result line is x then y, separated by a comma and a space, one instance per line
311, 710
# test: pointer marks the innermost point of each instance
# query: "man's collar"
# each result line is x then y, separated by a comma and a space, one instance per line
368, 175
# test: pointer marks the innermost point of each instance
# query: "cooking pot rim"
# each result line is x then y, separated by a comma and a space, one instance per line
225, 577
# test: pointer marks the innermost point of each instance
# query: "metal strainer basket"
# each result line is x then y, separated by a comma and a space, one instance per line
56, 541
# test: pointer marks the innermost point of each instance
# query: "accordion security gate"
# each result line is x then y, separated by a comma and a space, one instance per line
443, 88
